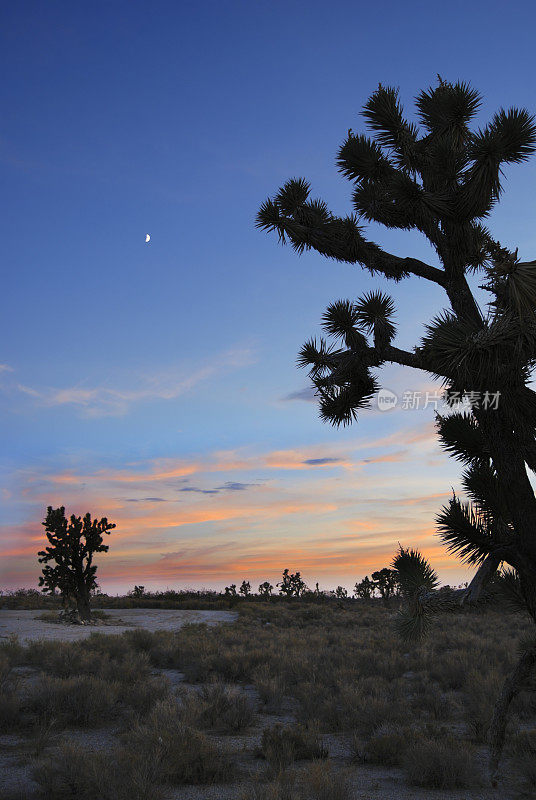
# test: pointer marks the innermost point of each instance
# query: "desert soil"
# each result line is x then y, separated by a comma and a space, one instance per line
27, 626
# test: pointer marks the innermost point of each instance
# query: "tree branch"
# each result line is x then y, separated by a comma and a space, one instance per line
355, 250
424, 270
482, 576
396, 356
443, 600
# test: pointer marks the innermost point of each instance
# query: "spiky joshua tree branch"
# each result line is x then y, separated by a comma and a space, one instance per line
442, 180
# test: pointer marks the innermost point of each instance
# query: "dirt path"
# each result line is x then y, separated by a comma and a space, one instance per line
25, 625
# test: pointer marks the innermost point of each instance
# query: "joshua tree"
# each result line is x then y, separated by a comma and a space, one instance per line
266, 589
340, 593
443, 183
291, 584
386, 582
365, 589
245, 588
72, 545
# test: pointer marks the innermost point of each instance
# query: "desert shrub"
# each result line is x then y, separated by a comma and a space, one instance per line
320, 782
284, 787
12, 650
375, 712
227, 707
451, 670
432, 701
387, 746
217, 706
177, 753
435, 764
480, 691
70, 772
141, 640
10, 711
282, 745
271, 688
318, 702
115, 645
131, 668
142, 695
317, 781
522, 748
111, 661
64, 659
83, 701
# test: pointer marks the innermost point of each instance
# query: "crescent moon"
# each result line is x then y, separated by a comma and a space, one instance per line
147, 237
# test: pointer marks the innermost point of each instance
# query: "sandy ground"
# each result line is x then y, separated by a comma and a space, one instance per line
27, 627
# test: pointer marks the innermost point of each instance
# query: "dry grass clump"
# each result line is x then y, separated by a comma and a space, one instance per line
83, 701
10, 711
281, 745
141, 695
480, 691
271, 688
436, 764
176, 753
387, 746
317, 781
218, 706
70, 772
430, 702
10, 702
111, 660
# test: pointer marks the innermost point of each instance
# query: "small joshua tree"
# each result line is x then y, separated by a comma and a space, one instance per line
386, 582
245, 588
341, 593
266, 589
365, 589
442, 181
291, 584
72, 545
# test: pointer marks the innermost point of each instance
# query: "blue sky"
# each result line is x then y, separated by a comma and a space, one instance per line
169, 365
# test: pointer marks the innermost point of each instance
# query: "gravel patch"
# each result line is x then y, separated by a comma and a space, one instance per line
25, 625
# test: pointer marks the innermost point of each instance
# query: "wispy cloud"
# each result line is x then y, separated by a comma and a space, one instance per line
307, 394
199, 491
111, 399
228, 486
321, 462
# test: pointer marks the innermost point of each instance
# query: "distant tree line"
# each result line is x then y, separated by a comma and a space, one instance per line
382, 584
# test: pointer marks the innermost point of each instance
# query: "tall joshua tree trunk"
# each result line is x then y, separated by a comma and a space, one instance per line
83, 604
443, 184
